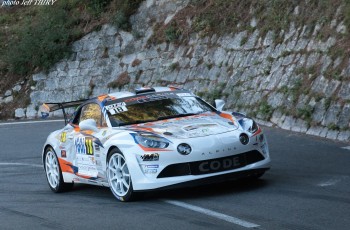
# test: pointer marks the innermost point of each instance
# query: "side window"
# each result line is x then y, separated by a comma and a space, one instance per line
91, 111
76, 118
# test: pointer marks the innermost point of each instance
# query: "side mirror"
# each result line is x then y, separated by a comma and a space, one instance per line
88, 124
219, 104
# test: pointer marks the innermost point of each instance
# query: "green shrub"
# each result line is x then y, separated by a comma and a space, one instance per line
265, 110
125, 8
172, 33
96, 7
305, 113
41, 43
174, 66
121, 21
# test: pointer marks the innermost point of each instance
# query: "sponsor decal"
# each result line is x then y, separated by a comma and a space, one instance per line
218, 151
150, 171
151, 97
63, 137
97, 147
205, 127
63, 153
264, 149
152, 166
85, 159
261, 138
84, 145
87, 170
150, 157
86, 165
116, 108
104, 132
220, 164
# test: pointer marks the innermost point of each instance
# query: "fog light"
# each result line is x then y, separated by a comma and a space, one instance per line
244, 139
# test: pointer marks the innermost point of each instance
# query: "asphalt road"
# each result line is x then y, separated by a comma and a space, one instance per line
308, 187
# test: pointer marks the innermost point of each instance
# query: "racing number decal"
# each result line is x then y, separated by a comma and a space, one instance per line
84, 145
63, 137
89, 146
117, 108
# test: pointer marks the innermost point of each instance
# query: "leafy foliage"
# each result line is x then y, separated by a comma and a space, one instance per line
37, 37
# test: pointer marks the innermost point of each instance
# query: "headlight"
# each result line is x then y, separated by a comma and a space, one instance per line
151, 141
249, 125
254, 127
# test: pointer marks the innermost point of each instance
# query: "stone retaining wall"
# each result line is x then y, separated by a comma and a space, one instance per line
294, 83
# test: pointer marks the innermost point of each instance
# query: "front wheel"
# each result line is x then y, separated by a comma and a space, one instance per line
119, 177
54, 173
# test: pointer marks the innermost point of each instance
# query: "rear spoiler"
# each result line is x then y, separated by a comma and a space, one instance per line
46, 108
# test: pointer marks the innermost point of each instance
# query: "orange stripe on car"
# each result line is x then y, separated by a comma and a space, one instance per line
102, 97
66, 166
227, 116
153, 149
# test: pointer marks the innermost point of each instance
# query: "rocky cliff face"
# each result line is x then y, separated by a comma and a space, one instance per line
296, 83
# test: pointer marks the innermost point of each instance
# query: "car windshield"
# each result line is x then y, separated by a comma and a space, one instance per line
156, 110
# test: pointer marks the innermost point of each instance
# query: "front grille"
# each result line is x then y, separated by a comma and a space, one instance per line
212, 166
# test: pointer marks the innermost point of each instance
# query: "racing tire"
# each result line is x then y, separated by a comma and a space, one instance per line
54, 173
119, 177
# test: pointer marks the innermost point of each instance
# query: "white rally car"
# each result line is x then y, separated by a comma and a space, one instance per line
154, 138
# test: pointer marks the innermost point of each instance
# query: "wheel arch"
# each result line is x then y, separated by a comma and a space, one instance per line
44, 152
110, 150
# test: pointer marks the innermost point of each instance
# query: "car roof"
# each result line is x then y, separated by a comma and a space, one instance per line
141, 90
53, 106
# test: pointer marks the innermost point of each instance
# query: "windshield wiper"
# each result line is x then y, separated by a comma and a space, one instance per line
176, 116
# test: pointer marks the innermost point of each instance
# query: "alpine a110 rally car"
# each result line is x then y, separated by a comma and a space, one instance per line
153, 138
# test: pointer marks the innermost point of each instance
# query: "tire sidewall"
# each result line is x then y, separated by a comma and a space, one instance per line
60, 178
130, 192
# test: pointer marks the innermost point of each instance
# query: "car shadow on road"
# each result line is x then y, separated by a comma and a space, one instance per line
195, 192
203, 191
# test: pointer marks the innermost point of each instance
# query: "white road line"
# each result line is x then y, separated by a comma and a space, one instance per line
211, 213
329, 182
29, 122
346, 147
21, 164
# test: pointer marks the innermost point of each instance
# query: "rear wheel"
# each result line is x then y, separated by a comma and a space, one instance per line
54, 173
119, 177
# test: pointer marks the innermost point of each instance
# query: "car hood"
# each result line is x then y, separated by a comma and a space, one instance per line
192, 126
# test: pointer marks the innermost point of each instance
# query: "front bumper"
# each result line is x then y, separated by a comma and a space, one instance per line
212, 156
212, 180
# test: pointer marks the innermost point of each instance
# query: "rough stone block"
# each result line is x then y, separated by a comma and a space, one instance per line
332, 134
8, 93
344, 136
20, 113
331, 114
343, 120
8, 99
288, 123
39, 76
316, 131
344, 92
31, 113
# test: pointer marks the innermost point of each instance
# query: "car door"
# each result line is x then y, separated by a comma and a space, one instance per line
87, 143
